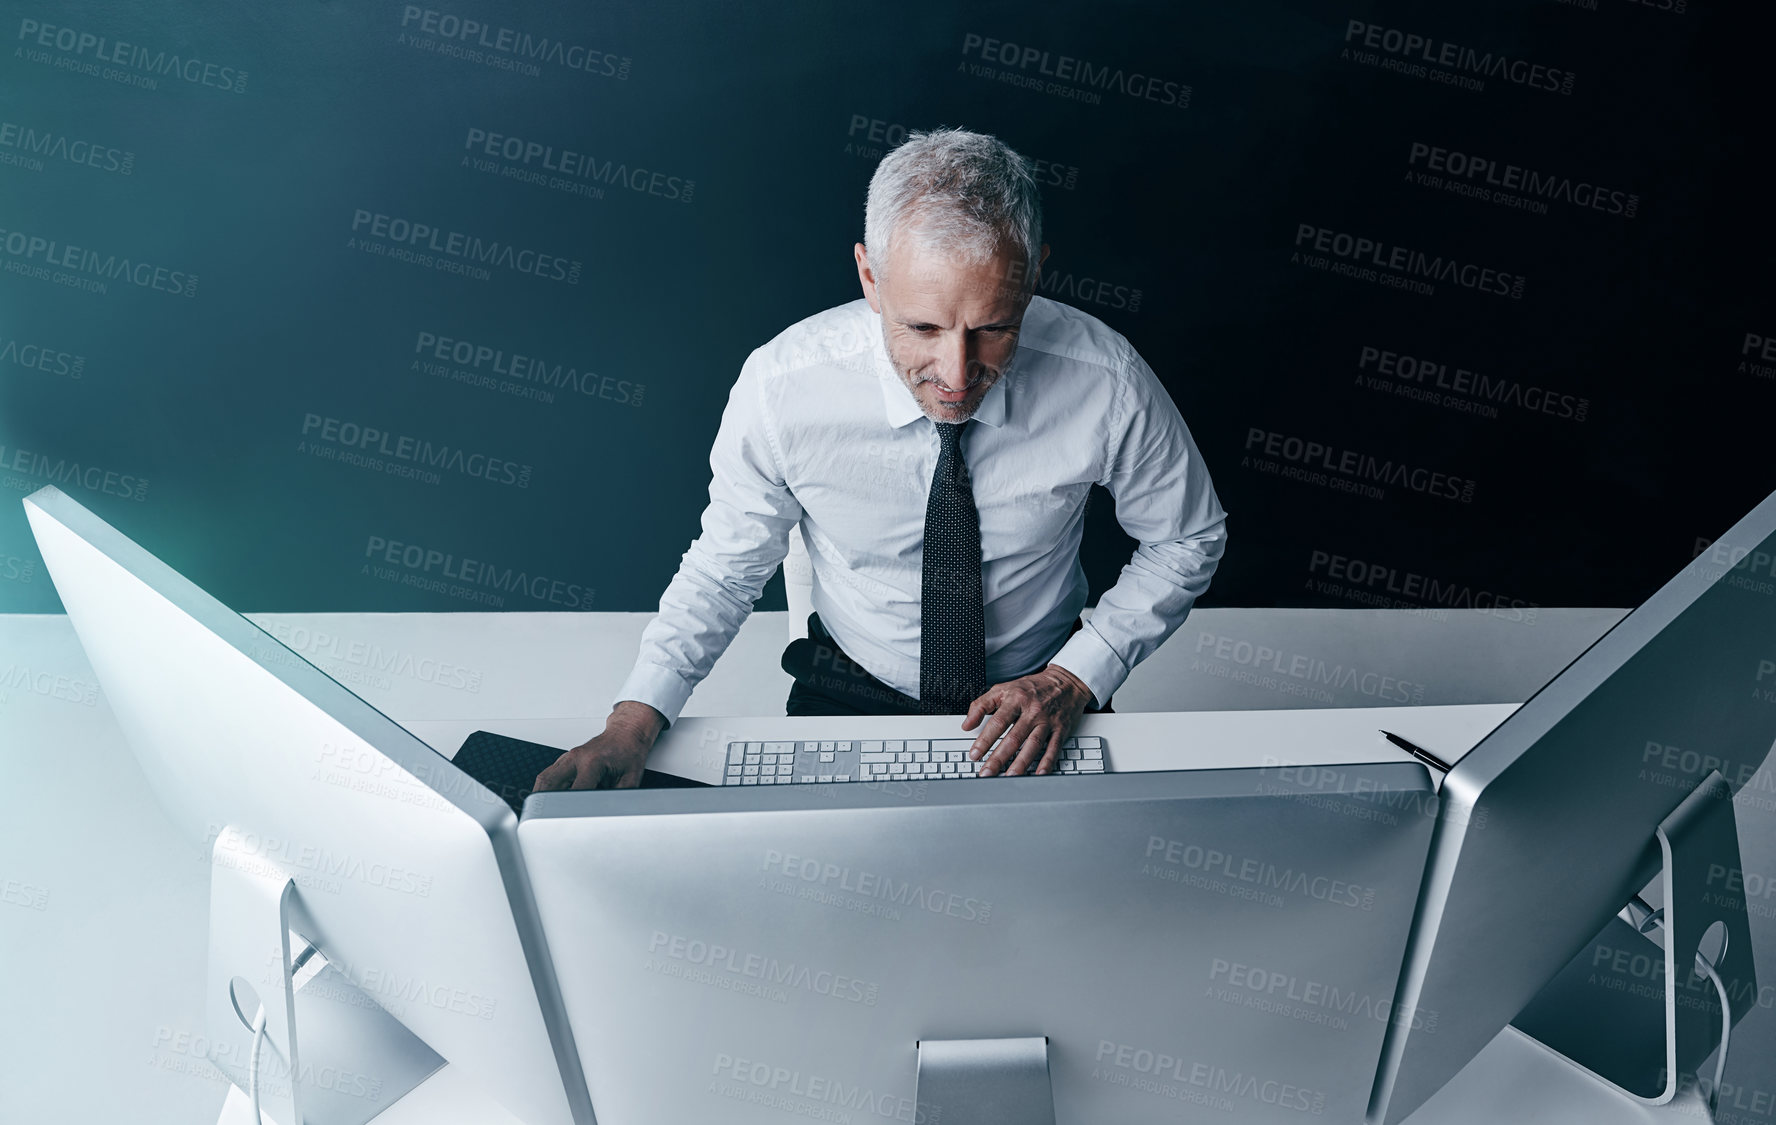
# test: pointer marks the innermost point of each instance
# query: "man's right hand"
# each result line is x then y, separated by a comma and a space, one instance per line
612, 760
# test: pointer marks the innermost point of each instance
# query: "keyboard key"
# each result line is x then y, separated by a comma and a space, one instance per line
826, 778
841, 777
898, 768
750, 771
918, 745
870, 747
894, 747
807, 778
749, 781
733, 770
779, 747
875, 756
736, 751
826, 755
1090, 742
784, 769
922, 756
904, 756
1095, 753
826, 748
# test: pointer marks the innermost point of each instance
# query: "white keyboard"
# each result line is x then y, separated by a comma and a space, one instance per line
824, 762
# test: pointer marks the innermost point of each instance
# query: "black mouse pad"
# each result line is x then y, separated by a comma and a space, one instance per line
509, 767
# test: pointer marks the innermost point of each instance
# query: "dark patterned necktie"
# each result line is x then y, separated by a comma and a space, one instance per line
952, 625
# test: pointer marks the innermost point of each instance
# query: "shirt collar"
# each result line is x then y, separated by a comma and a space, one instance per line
900, 405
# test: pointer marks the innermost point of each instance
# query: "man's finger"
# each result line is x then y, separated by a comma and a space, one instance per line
556, 775
1029, 750
592, 773
1051, 757
984, 704
1009, 744
995, 725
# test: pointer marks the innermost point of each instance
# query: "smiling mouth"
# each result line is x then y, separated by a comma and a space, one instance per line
944, 394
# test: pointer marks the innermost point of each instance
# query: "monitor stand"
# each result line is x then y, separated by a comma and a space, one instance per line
1635, 1007
985, 1082
353, 1059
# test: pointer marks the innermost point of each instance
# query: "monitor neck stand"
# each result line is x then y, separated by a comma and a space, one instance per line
1609, 1023
353, 1060
985, 1082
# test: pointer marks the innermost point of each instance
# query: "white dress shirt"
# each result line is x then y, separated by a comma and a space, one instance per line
820, 433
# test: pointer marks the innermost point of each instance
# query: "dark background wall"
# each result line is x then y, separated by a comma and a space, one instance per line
217, 277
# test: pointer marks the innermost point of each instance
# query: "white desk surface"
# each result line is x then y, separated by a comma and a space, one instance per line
696, 747
111, 919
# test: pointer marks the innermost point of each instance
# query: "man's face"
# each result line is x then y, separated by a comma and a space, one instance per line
950, 326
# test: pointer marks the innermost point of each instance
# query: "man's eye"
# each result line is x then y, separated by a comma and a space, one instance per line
924, 329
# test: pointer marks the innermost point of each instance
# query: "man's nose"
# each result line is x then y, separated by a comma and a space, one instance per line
953, 361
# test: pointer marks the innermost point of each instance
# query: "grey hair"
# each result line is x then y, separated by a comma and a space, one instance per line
967, 193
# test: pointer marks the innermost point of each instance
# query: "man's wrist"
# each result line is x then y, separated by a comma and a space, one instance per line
1079, 685
636, 717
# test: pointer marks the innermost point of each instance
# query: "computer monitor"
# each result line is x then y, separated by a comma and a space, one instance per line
1620, 769
407, 873
1112, 948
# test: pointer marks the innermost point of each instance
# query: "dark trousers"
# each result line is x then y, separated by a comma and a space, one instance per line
827, 682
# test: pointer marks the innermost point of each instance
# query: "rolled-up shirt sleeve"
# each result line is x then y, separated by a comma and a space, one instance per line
745, 537
1164, 498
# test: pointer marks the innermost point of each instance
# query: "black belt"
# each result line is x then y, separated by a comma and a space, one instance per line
827, 682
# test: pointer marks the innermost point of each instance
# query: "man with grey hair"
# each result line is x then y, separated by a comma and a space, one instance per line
934, 443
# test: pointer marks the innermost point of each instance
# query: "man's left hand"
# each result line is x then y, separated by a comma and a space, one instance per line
1029, 716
